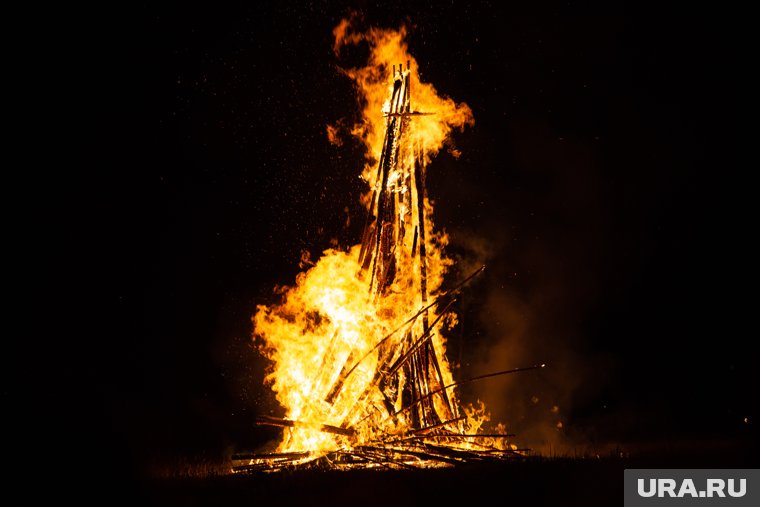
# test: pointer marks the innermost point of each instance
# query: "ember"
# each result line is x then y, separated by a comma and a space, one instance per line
357, 345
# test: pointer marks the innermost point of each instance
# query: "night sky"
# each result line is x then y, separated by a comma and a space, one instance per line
600, 184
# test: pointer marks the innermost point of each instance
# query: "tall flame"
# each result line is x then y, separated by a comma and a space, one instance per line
389, 48
347, 316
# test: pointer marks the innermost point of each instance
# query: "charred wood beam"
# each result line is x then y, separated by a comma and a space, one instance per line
439, 376
256, 468
396, 95
419, 184
454, 453
329, 358
381, 458
465, 435
430, 456
366, 230
287, 423
444, 436
450, 436
389, 273
418, 416
385, 161
338, 385
367, 258
366, 457
421, 431
491, 450
272, 456
406, 115
408, 88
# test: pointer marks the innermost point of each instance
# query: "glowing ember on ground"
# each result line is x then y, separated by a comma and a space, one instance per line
358, 344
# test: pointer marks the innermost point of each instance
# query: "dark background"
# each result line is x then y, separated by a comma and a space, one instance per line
601, 184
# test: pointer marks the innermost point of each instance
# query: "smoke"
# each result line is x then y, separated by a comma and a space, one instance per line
537, 240
540, 245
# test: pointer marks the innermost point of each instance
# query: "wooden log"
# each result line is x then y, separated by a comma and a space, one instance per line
287, 423
327, 361
419, 185
366, 230
342, 376
385, 162
439, 376
270, 455
430, 456
439, 425
448, 436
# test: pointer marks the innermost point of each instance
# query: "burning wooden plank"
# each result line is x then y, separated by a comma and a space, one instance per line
287, 423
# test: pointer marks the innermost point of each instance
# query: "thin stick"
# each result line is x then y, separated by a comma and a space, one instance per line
275, 455
472, 379
429, 456
453, 436
466, 435
444, 423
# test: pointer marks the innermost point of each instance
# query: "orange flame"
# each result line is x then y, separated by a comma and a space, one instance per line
388, 48
326, 330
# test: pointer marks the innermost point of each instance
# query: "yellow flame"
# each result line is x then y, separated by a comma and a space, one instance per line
330, 321
388, 48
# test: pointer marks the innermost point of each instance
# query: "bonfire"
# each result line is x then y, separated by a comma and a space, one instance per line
357, 345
